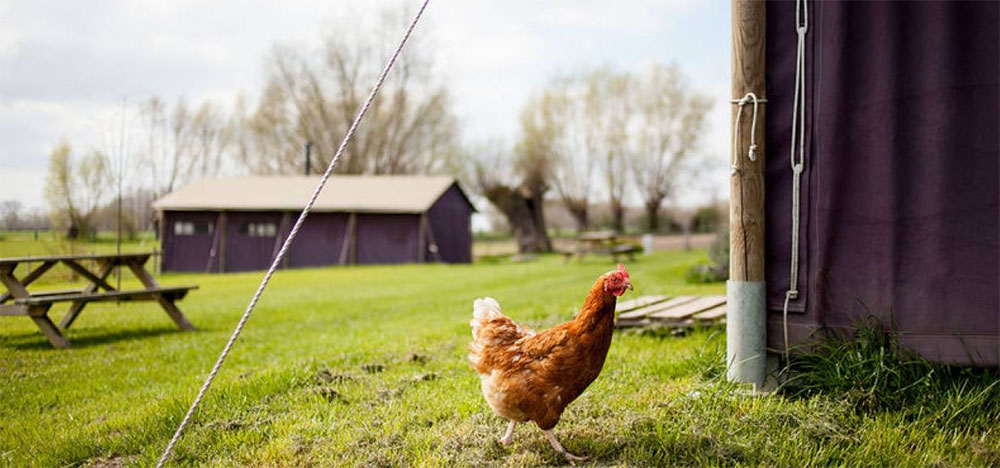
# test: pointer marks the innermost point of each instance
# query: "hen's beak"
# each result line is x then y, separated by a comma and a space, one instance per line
629, 286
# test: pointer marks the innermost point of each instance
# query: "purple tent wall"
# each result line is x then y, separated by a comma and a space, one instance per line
900, 194
319, 241
189, 252
387, 238
245, 252
450, 219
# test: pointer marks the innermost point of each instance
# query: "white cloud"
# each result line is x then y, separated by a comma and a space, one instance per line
68, 64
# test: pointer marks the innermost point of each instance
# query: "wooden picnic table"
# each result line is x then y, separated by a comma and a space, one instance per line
17, 300
602, 242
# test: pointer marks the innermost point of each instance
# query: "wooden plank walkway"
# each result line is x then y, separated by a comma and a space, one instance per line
679, 312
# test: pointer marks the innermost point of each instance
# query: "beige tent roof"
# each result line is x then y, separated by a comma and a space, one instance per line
350, 193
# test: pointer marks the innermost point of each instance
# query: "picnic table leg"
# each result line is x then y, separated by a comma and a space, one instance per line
167, 303
174, 313
40, 316
74, 311
77, 306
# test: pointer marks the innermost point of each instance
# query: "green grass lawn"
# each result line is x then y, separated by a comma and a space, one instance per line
365, 366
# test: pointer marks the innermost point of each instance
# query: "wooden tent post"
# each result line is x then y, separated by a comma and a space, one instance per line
421, 239
747, 314
348, 247
222, 241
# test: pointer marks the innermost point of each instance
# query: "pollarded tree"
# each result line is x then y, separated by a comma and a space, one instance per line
178, 144
667, 120
409, 128
75, 189
607, 113
554, 128
516, 186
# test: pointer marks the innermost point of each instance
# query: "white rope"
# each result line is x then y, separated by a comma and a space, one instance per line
752, 153
288, 241
797, 163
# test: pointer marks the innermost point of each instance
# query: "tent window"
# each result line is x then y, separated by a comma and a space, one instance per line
191, 228
259, 229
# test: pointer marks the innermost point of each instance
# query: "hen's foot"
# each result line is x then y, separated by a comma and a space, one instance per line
508, 436
572, 459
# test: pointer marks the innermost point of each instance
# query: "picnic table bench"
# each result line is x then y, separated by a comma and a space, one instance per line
604, 243
17, 300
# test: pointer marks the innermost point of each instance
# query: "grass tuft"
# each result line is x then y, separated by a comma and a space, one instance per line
873, 374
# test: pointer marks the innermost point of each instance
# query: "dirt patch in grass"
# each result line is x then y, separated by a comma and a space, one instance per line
417, 358
327, 376
331, 395
116, 461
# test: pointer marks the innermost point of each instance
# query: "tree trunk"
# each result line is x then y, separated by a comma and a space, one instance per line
579, 213
617, 216
653, 214
524, 210
541, 241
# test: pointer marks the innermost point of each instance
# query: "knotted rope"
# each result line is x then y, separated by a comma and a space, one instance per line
752, 153
797, 160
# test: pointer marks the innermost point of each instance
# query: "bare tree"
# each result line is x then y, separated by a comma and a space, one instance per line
553, 128
181, 144
606, 116
212, 136
410, 127
10, 214
266, 140
668, 118
522, 202
76, 189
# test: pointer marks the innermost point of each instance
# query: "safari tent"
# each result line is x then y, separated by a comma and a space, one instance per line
895, 148
238, 224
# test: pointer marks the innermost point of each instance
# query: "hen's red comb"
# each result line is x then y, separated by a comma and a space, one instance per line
621, 269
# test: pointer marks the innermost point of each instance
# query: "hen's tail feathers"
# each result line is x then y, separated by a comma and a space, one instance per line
484, 310
490, 328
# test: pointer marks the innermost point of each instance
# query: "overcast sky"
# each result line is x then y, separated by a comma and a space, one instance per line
66, 66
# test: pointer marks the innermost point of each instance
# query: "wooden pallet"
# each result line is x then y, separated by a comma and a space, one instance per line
680, 311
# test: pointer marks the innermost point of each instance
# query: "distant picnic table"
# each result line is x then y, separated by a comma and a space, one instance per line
17, 300
602, 243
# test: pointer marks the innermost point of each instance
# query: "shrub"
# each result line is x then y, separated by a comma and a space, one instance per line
717, 268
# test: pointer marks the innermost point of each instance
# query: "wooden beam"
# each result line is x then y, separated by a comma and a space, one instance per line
213, 248
77, 306
354, 238
5, 262
49, 329
37, 272
96, 281
434, 248
222, 241
166, 302
345, 244
746, 195
286, 223
14, 287
13, 309
421, 239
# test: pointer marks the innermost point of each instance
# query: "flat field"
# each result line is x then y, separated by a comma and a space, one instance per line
365, 366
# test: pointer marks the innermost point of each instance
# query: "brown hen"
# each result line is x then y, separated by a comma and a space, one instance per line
529, 376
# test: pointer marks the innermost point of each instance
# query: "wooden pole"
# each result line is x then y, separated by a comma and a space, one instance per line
746, 187
747, 313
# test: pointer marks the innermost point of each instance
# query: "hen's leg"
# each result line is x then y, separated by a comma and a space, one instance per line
559, 448
508, 436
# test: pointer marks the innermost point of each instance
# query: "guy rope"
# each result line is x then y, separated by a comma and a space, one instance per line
291, 236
